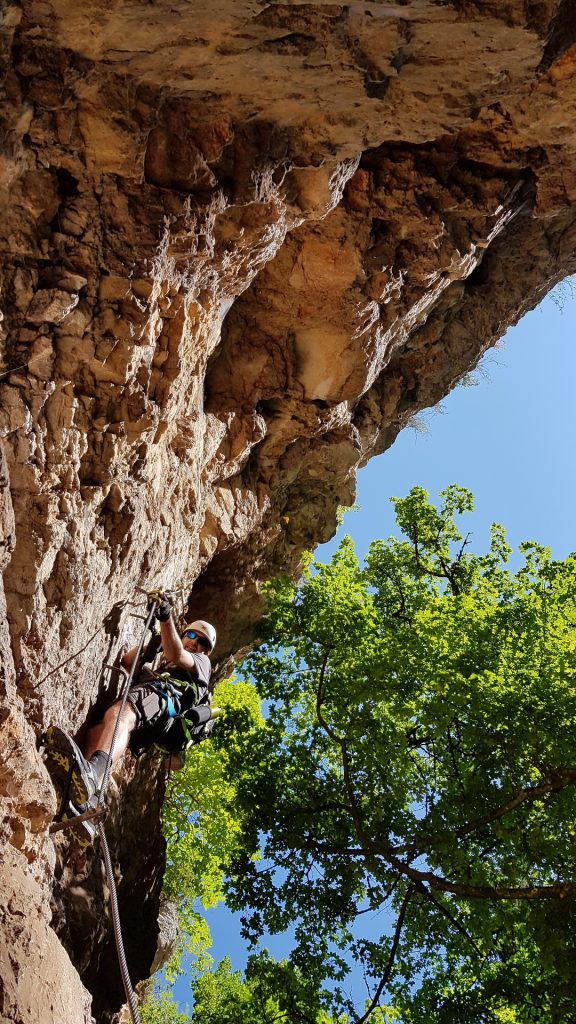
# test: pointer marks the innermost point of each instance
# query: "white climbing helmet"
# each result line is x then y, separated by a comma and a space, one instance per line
206, 629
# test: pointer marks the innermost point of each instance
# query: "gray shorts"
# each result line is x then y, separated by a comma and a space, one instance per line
153, 723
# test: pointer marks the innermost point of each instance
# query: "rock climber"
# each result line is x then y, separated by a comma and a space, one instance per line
169, 704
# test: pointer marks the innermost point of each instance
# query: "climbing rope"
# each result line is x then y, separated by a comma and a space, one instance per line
128, 990
134, 668
96, 814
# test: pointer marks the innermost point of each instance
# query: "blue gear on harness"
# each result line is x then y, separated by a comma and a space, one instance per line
170, 706
170, 692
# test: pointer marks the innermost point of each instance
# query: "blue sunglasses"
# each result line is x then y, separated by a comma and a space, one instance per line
193, 635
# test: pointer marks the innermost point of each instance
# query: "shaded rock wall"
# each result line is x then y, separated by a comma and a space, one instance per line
242, 245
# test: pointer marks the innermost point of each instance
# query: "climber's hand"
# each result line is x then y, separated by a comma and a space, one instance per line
163, 601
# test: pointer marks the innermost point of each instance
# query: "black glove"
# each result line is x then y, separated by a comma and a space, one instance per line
163, 604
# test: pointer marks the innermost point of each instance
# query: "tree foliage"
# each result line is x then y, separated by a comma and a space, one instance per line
412, 795
271, 993
201, 817
161, 1009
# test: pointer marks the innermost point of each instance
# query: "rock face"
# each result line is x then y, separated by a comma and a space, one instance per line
243, 243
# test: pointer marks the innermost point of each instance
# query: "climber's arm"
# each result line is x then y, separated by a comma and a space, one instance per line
127, 659
174, 650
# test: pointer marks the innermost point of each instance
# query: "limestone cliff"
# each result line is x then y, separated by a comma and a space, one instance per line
243, 242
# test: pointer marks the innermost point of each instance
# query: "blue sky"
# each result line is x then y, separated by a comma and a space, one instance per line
510, 439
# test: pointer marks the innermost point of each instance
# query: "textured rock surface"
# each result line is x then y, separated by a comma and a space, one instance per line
243, 243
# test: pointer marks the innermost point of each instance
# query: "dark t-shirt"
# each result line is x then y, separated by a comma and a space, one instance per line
195, 688
201, 679
203, 669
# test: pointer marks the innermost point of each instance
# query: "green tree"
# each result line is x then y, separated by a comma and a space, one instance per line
271, 993
201, 817
418, 764
161, 1009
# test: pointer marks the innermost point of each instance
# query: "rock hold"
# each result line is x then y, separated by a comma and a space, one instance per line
51, 306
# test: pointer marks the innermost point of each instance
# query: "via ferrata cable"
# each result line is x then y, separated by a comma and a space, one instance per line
134, 668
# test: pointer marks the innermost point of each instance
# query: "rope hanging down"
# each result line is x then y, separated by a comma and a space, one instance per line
96, 814
134, 668
128, 990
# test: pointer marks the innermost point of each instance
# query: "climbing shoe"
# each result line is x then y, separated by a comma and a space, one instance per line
69, 770
82, 833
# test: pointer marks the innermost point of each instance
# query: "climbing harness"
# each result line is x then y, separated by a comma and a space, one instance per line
174, 701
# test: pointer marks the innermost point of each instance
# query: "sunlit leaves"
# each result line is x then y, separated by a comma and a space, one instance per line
161, 1010
422, 724
201, 818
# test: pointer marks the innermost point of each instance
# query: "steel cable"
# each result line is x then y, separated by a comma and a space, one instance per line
135, 666
128, 990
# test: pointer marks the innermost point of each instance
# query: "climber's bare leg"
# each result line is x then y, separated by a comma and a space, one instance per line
99, 737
